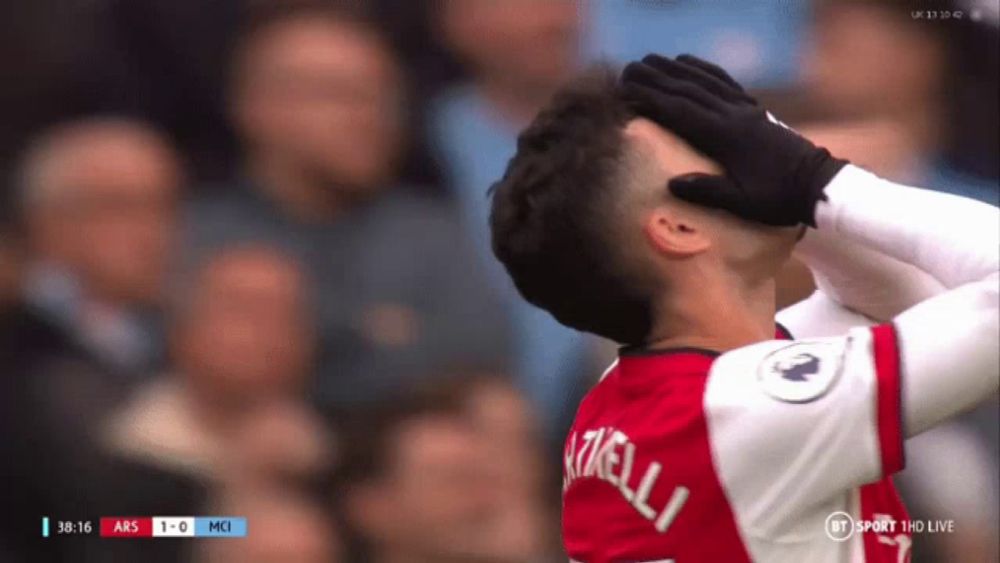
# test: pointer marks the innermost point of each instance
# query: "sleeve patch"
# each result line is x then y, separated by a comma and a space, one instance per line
800, 372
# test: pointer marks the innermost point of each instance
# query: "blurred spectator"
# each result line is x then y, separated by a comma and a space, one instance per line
910, 83
316, 98
48, 57
903, 79
230, 418
757, 42
973, 112
241, 342
165, 60
877, 144
11, 258
937, 488
281, 527
417, 483
518, 53
430, 66
282, 443
527, 525
98, 198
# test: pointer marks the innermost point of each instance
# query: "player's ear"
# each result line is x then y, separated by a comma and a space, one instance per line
674, 233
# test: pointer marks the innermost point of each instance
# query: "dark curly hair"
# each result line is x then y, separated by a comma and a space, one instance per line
553, 217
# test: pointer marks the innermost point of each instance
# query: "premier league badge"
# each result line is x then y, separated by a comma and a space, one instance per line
800, 372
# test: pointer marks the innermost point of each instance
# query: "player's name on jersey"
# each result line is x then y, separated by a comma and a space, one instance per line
608, 454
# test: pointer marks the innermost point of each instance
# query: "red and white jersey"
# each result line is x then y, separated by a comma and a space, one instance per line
777, 452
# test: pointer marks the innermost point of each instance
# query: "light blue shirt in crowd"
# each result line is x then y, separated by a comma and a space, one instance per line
942, 178
758, 42
476, 145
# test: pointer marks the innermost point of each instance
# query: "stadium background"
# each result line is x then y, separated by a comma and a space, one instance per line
244, 264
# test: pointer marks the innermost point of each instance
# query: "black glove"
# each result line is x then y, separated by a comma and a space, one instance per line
774, 175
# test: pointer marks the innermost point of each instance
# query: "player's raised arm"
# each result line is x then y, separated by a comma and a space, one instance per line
855, 285
948, 343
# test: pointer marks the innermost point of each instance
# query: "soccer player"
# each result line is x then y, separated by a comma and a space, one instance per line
715, 437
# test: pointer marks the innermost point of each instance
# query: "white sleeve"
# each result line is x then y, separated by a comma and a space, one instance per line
819, 315
856, 286
792, 424
953, 239
948, 343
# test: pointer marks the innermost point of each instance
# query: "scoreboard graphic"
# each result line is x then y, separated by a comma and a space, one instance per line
149, 527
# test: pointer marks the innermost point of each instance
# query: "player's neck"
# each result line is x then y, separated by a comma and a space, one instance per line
716, 316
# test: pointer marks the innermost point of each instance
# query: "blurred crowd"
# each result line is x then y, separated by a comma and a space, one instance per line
245, 266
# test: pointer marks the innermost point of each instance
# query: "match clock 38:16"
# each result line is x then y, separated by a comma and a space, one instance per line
60, 527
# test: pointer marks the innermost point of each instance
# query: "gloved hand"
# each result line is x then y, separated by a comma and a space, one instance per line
773, 174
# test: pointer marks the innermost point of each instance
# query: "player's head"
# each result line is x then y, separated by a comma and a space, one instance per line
588, 230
